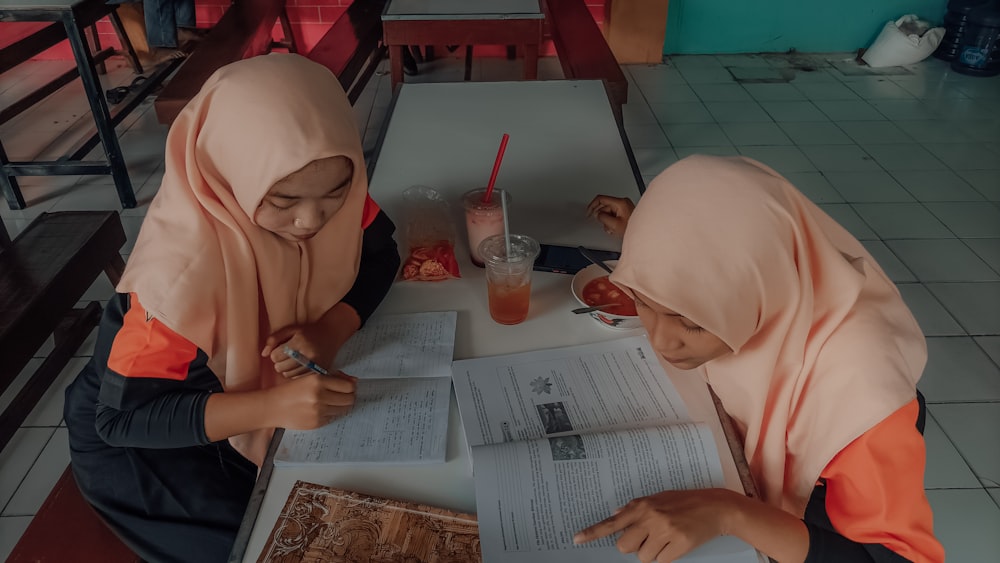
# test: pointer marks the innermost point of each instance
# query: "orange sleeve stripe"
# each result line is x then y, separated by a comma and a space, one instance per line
145, 347
875, 489
370, 212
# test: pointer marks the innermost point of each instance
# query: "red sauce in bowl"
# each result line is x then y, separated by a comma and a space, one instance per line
600, 291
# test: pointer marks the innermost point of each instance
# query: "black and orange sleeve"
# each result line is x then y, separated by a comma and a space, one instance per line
379, 262
874, 498
153, 389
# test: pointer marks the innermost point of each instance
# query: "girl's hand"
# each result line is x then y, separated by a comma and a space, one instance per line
311, 401
612, 212
665, 526
310, 340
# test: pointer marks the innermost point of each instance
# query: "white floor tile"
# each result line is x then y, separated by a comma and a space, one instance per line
934, 131
961, 109
815, 186
986, 182
843, 214
965, 156
42, 477
11, 530
965, 522
721, 93
902, 220
101, 290
874, 132
936, 185
824, 92
653, 161
49, 410
18, 457
974, 305
692, 112
848, 110
958, 371
718, 150
644, 74
974, 428
659, 92
945, 467
933, 318
890, 264
988, 249
879, 88
755, 134
793, 111
695, 62
636, 112
942, 260
984, 130
707, 76
904, 157
815, 133
737, 112
873, 186
840, 158
968, 219
991, 345
925, 88
774, 92
785, 160
646, 136
899, 110
695, 134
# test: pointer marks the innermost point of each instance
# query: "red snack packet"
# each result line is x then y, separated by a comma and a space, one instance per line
430, 237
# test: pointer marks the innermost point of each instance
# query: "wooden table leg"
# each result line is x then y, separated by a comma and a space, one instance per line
396, 63
531, 62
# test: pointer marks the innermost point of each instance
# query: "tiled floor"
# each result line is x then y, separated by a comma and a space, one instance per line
909, 162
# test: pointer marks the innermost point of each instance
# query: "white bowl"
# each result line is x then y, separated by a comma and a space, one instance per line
581, 279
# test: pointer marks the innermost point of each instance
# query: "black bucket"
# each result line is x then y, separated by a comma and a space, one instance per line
979, 52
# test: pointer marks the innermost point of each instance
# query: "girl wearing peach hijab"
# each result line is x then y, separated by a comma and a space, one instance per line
743, 281
261, 236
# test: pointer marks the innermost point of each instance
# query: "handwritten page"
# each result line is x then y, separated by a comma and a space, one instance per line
393, 420
412, 345
400, 413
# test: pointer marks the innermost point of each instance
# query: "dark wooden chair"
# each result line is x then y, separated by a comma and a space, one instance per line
243, 31
583, 52
44, 272
352, 47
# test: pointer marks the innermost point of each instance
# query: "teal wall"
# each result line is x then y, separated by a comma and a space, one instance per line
760, 26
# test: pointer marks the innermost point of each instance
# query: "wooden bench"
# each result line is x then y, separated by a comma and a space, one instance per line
583, 52
243, 31
44, 272
352, 48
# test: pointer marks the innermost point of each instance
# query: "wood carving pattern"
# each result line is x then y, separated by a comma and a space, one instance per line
324, 525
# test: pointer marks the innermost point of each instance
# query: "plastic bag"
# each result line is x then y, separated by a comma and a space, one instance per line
430, 237
905, 41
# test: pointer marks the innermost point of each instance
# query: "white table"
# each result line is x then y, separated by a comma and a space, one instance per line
565, 147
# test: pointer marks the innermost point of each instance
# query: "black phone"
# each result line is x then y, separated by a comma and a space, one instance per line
567, 259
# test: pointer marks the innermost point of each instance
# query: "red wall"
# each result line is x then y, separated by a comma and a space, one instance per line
310, 20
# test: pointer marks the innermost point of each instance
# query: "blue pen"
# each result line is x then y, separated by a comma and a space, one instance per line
304, 361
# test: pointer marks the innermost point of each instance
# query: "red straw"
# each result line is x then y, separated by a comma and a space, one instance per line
496, 168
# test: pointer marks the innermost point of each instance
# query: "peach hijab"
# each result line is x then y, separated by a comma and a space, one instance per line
201, 265
824, 346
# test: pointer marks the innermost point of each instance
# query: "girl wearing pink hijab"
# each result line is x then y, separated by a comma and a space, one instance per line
740, 279
261, 236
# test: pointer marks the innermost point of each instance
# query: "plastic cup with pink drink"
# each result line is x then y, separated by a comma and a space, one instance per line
483, 219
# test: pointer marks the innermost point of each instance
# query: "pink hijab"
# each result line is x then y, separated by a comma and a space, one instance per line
824, 346
201, 265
